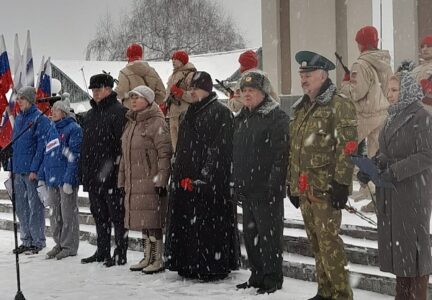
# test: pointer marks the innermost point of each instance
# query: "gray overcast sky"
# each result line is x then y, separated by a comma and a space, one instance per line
61, 29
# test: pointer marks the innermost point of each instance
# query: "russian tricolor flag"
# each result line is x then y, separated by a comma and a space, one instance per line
44, 85
5, 85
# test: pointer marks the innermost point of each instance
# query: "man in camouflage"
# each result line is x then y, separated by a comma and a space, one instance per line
323, 133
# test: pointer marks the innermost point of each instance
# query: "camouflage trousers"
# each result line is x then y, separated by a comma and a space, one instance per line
322, 224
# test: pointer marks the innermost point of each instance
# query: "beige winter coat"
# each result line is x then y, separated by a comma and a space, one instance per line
235, 104
139, 73
183, 75
423, 71
145, 164
368, 89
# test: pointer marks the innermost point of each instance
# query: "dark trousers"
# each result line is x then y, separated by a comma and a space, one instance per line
412, 288
263, 237
108, 207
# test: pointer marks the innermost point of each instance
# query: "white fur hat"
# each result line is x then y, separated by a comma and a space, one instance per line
143, 91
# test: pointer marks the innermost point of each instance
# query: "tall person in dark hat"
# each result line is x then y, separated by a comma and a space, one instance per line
260, 157
100, 157
323, 134
201, 240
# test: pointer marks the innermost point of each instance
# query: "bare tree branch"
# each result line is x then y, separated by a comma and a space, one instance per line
163, 26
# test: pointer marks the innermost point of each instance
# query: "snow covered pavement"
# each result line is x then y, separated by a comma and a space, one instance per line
67, 279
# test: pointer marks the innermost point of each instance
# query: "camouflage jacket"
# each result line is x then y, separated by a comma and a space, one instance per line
319, 134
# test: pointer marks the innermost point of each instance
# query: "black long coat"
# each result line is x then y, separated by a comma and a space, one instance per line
261, 149
101, 147
202, 232
404, 213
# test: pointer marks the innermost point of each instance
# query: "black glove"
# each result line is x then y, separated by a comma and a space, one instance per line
295, 200
339, 195
381, 161
388, 176
363, 177
161, 191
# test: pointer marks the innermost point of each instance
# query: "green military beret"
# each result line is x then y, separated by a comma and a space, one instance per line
310, 61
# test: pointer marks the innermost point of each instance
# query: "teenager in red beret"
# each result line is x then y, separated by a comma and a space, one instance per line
424, 69
366, 86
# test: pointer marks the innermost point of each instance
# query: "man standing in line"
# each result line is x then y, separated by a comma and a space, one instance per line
260, 157
26, 160
323, 133
248, 61
100, 157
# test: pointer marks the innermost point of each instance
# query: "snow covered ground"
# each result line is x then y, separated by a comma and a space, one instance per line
68, 279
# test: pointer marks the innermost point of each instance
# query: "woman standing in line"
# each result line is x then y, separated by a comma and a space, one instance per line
404, 212
144, 172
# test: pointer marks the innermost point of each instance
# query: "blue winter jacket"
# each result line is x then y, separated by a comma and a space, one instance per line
28, 150
60, 164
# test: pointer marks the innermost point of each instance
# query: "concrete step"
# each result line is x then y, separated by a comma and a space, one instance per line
355, 231
358, 250
294, 265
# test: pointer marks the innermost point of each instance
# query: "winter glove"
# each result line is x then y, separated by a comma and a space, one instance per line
339, 195
388, 176
295, 200
161, 191
363, 177
67, 188
381, 161
176, 91
347, 76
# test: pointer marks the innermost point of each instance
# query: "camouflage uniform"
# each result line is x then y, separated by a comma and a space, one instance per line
319, 131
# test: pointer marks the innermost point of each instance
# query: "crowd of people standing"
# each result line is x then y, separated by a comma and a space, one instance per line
175, 163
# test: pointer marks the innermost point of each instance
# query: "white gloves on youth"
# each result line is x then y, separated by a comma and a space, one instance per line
67, 188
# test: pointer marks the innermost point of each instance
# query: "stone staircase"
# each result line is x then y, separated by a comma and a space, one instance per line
360, 246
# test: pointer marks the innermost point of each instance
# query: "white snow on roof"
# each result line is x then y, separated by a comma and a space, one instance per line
219, 65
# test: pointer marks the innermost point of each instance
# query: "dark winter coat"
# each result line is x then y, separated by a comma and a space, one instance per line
145, 164
404, 213
62, 166
29, 149
101, 148
202, 234
261, 149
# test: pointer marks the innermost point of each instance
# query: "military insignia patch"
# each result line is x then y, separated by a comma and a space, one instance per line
249, 78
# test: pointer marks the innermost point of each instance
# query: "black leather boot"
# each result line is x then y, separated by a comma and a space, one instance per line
96, 257
119, 258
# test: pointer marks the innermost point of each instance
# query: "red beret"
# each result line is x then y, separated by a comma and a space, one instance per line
248, 60
427, 40
134, 52
181, 56
367, 37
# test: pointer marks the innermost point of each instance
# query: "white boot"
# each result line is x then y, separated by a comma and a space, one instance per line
146, 260
156, 263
